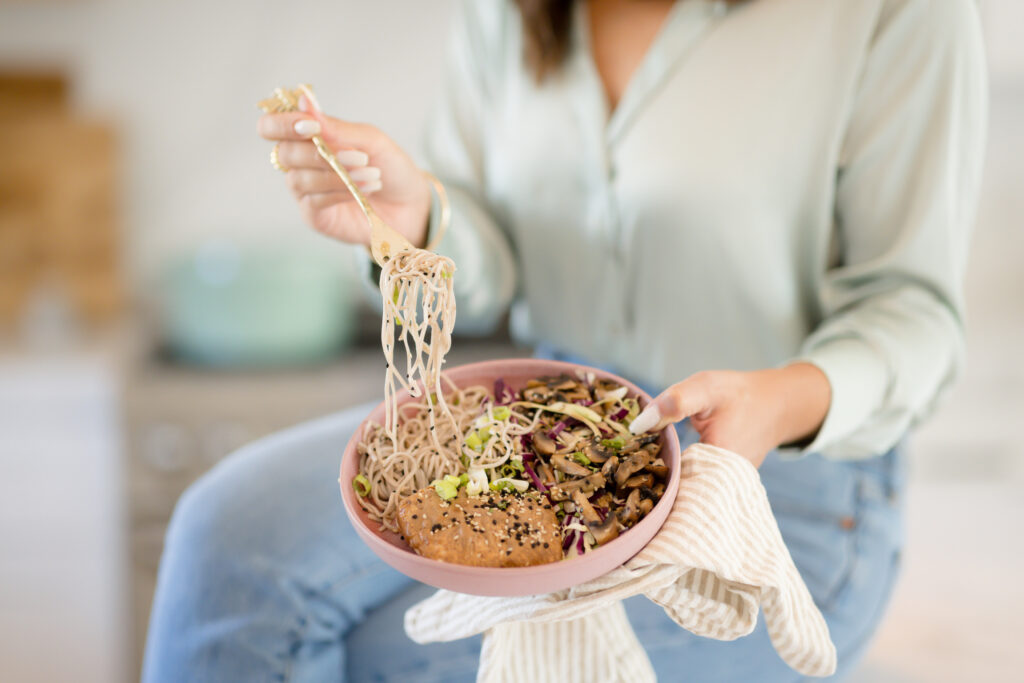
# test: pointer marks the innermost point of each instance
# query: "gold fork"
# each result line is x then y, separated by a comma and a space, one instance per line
385, 241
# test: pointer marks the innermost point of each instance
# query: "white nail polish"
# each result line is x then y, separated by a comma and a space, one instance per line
646, 420
371, 186
365, 173
351, 158
307, 127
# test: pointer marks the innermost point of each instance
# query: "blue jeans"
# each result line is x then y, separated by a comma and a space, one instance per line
264, 579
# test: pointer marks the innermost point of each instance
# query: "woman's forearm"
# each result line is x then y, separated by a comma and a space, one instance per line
805, 393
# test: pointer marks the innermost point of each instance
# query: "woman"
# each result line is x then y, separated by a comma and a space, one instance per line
782, 188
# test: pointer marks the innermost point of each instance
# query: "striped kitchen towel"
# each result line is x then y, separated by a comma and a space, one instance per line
718, 558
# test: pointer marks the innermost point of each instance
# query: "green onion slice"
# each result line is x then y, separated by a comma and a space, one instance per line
579, 457
362, 485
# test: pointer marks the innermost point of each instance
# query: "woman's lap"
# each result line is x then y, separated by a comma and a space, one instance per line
257, 584
261, 569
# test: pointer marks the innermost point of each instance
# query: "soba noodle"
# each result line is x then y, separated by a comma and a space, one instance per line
398, 467
419, 302
405, 454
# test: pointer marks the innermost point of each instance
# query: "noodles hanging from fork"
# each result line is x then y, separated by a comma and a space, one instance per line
404, 455
419, 303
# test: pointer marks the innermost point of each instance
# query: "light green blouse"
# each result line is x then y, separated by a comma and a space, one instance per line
783, 180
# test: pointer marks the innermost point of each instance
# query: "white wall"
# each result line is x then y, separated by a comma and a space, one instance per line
183, 79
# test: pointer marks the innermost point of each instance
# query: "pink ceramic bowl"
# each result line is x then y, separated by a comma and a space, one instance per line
515, 581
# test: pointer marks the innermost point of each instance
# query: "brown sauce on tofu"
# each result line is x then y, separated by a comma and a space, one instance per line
495, 529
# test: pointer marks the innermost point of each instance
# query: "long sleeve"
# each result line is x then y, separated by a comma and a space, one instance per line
891, 338
485, 281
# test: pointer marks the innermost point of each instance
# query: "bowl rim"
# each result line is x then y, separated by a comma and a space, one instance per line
427, 565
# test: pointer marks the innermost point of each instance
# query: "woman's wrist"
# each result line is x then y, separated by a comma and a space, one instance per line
421, 224
806, 395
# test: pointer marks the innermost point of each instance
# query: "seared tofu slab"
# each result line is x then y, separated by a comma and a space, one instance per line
495, 529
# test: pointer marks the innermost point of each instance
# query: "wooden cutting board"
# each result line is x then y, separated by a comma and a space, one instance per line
58, 203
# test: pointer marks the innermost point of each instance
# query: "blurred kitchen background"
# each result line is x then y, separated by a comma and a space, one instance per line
161, 304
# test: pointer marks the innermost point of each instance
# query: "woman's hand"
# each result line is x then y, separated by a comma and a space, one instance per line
394, 185
749, 413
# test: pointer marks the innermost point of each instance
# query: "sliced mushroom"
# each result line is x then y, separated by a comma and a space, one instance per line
537, 394
604, 500
653, 448
562, 382
534, 383
596, 452
645, 439
546, 474
603, 530
573, 395
608, 469
659, 489
587, 485
645, 479
602, 387
645, 506
658, 469
631, 445
630, 512
586, 509
647, 493
631, 465
544, 444
573, 440
561, 462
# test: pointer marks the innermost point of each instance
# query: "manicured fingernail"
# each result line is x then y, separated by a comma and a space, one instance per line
646, 420
307, 127
352, 158
304, 103
371, 186
365, 173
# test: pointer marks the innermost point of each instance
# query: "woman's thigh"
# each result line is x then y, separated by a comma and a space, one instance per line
378, 649
262, 574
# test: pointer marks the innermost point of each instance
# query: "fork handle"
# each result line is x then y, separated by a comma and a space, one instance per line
328, 156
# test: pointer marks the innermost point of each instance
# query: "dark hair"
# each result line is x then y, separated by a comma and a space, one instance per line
547, 26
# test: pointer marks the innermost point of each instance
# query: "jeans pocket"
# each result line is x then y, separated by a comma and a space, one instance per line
822, 545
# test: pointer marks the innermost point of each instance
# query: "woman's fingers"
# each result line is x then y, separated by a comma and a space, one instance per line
370, 187
324, 200
288, 126
329, 197
298, 126
364, 174
296, 155
691, 397
311, 181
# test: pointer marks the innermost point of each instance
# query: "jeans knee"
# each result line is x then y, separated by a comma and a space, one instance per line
200, 520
